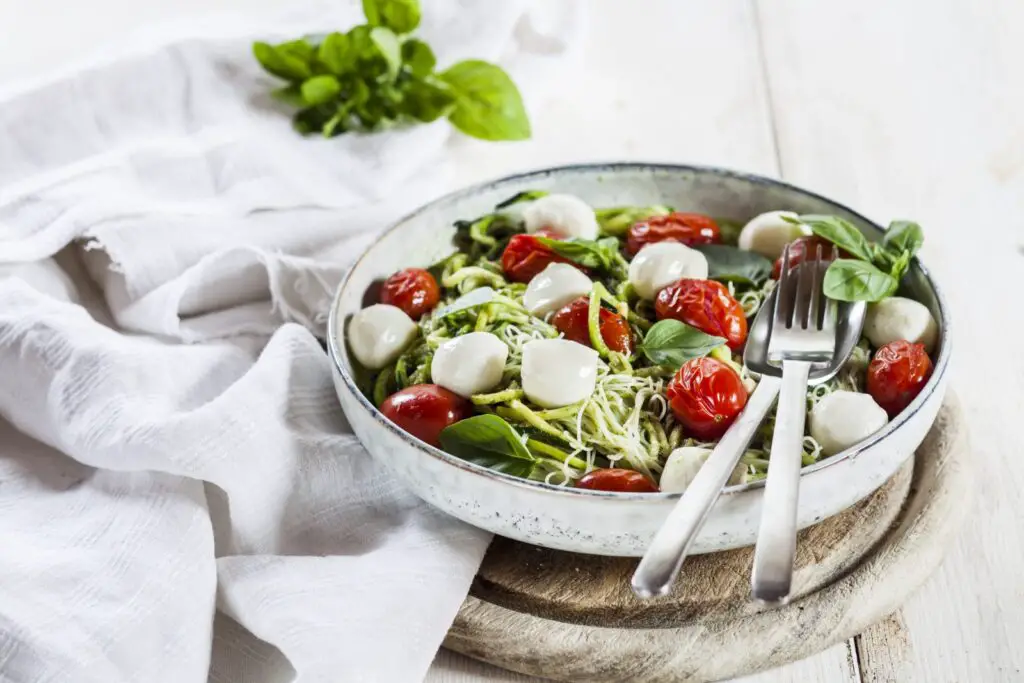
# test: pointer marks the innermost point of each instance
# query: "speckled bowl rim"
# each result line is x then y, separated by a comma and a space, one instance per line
939, 370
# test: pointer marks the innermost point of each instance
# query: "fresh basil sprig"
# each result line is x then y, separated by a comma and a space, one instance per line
731, 264
489, 441
671, 343
376, 75
602, 254
876, 271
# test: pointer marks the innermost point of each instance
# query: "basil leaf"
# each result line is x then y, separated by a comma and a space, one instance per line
336, 53
853, 280
900, 265
425, 101
388, 45
599, 255
287, 60
488, 105
491, 442
903, 236
418, 57
841, 233
524, 196
617, 220
671, 343
290, 95
401, 16
320, 89
732, 264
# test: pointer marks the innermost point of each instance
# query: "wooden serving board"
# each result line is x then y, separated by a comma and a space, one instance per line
573, 617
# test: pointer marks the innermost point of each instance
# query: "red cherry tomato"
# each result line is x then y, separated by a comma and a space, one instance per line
616, 479
804, 247
571, 321
706, 395
897, 374
525, 256
688, 228
706, 305
424, 410
414, 290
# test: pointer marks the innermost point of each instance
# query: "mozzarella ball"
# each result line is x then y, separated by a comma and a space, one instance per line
660, 264
898, 318
470, 364
564, 214
682, 466
769, 233
554, 287
558, 372
843, 418
378, 334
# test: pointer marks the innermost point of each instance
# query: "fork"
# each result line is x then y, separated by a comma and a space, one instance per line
803, 332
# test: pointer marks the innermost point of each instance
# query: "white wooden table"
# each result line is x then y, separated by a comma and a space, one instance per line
898, 108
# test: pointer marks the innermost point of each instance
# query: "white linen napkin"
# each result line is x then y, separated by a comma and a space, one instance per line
171, 443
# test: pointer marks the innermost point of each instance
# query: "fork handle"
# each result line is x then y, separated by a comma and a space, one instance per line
776, 538
664, 557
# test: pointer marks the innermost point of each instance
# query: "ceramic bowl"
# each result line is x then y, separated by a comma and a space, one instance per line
601, 522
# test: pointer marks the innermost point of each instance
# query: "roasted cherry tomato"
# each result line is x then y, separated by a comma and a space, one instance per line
897, 374
616, 479
424, 410
414, 290
706, 395
571, 321
525, 256
803, 247
688, 228
706, 305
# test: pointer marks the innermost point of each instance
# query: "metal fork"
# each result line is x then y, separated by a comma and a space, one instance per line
803, 332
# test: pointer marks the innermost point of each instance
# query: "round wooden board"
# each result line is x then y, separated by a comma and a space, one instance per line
573, 617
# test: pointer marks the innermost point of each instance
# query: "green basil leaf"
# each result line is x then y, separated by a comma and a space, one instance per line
425, 101
401, 16
732, 264
671, 343
337, 54
519, 197
598, 255
903, 236
841, 233
290, 95
320, 89
618, 219
491, 442
418, 57
900, 265
853, 280
387, 42
488, 105
287, 60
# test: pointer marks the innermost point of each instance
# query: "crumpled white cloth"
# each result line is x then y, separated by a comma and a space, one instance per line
181, 498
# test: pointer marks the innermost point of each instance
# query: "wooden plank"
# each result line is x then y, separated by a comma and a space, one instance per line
909, 109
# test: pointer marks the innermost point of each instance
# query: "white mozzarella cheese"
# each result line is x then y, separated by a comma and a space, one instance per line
769, 233
682, 466
844, 418
660, 264
470, 364
565, 214
554, 287
900, 318
378, 334
558, 372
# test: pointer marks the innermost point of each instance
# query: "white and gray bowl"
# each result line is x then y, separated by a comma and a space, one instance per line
599, 522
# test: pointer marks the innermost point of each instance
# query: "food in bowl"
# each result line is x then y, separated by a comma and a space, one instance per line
601, 348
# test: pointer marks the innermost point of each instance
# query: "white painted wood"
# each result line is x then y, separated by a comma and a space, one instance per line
916, 109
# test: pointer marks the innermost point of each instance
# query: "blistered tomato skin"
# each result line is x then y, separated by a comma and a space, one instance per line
897, 374
413, 290
706, 395
616, 479
706, 305
424, 410
524, 257
571, 321
688, 228
804, 247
